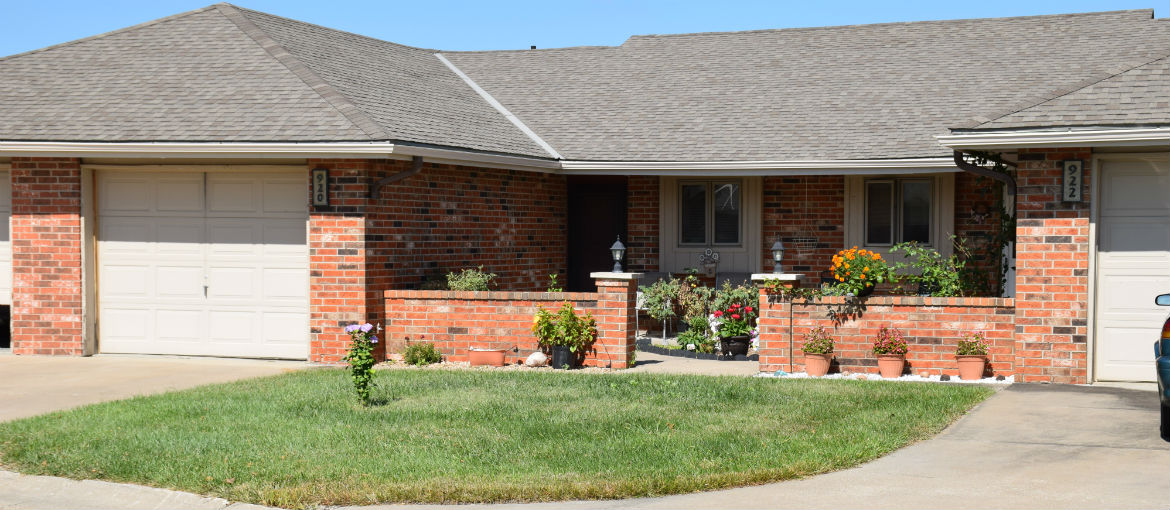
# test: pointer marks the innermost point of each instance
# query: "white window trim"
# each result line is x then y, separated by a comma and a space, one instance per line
942, 214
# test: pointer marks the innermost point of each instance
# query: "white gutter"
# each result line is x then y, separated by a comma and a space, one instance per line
1081, 138
807, 167
457, 157
196, 149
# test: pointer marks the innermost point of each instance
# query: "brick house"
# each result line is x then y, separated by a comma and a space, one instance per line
163, 195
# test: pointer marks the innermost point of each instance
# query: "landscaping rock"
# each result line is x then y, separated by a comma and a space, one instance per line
536, 359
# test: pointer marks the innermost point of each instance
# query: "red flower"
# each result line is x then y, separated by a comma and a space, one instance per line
718, 313
747, 309
735, 316
736, 305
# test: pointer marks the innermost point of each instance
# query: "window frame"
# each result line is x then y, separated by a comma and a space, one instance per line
897, 209
709, 213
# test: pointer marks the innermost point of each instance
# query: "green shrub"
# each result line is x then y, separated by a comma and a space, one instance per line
470, 279
744, 295
564, 328
422, 353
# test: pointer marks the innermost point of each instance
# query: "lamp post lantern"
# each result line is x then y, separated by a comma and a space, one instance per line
777, 256
618, 249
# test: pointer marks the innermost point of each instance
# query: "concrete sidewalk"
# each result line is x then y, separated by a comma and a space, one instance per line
650, 363
39, 384
1029, 446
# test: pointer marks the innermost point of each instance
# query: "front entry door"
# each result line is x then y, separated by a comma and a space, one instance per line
597, 215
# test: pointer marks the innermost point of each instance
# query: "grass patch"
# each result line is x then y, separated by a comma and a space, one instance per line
299, 439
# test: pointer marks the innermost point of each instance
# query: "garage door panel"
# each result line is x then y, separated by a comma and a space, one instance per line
1133, 266
285, 284
247, 244
5, 239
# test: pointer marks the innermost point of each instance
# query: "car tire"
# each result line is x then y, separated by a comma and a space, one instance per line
1165, 428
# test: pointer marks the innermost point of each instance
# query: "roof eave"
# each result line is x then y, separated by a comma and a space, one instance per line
1049, 137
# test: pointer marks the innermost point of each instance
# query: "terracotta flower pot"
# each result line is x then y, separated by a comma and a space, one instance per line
817, 365
891, 365
971, 367
489, 357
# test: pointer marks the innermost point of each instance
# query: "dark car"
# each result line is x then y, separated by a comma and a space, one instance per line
1162, 359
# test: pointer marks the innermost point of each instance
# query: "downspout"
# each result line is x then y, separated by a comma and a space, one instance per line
1006, 179
415, 167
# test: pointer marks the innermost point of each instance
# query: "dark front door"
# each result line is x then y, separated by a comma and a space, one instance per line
597, 215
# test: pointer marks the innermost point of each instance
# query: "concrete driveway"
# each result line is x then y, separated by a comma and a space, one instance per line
33, 385
1029, 446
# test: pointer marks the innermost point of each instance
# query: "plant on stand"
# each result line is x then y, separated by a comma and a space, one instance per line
361, 359
890, 348
658, 300
565, 332
818, 352
971, 354
858, 271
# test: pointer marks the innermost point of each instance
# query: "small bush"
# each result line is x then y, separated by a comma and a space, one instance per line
422, 353
972, 344
470, 279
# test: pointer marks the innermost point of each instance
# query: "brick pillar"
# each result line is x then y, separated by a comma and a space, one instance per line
775, 322
616, 298
1052, 270
46, 257
337, 259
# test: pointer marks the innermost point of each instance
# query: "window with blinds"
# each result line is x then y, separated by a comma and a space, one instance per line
710, 213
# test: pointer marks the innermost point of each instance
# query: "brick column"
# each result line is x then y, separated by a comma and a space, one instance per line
1052, 270
337, 259
616, 297
46, 257
775, 322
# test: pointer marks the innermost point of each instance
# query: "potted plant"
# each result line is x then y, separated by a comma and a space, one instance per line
818, 352
565, 333
735, 328
972, 356
858, 271
890, 348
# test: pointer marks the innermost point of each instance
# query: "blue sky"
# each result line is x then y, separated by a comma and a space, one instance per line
499, 24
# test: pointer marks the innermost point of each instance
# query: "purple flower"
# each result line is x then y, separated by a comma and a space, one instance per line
367, 327
351, 328
374, 339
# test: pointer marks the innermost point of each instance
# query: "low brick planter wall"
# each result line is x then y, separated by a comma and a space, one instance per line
932, 327
458, 321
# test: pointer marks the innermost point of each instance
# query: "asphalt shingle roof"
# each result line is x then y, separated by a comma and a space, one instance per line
853, 92
223, 73
1136, 97
190, 77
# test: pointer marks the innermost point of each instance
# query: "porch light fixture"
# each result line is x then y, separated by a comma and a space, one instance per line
777, 256
618, 249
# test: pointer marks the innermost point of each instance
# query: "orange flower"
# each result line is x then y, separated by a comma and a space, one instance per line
862, 276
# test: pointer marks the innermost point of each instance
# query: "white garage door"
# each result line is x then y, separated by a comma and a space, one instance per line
203, 263
5, 239
1133, 266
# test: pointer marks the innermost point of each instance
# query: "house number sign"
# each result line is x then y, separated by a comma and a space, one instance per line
320, 186
1074, 181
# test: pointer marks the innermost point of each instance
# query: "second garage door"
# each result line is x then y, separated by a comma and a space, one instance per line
203, 263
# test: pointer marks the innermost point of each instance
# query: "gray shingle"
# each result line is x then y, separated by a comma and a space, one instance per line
413, 95
1137, 96
191, 77
854, 92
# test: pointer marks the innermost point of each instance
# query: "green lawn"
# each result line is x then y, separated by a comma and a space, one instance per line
299, 439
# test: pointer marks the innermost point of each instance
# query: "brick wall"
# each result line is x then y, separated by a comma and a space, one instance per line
642, 224
977, 217
46, 256
801, 207
339, 294
458, 321
932, 327
447, 218
1052, 270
